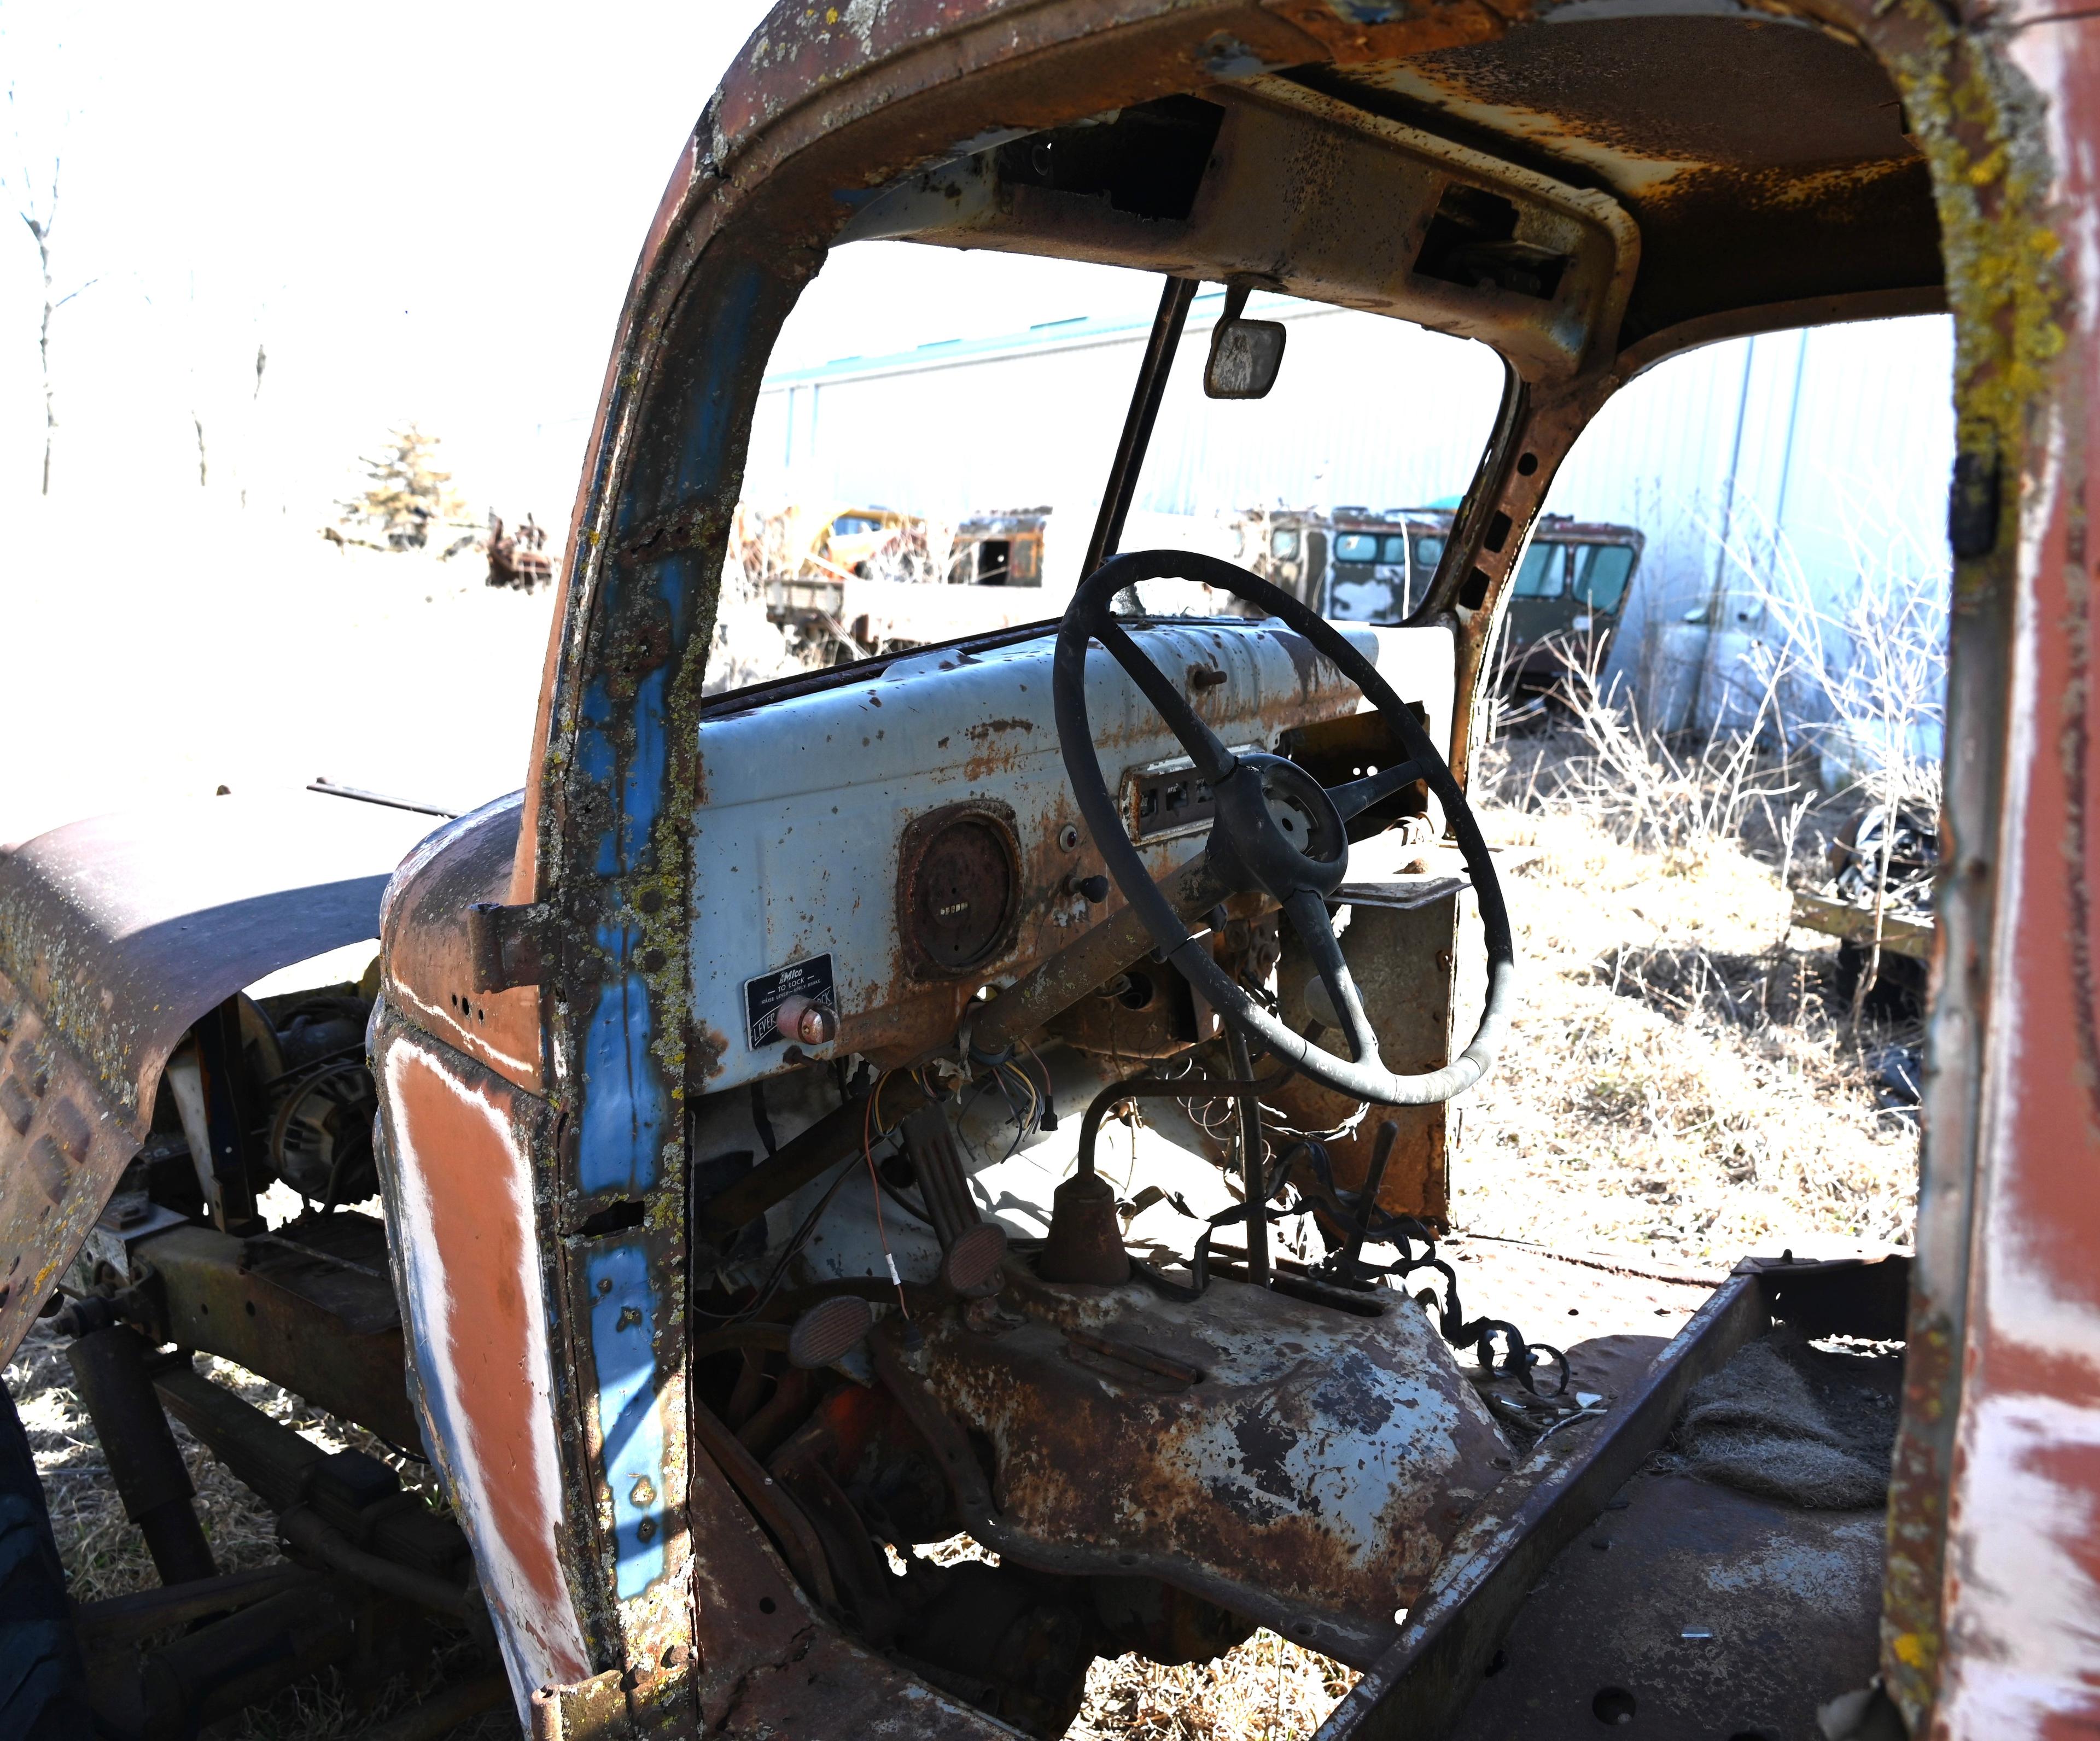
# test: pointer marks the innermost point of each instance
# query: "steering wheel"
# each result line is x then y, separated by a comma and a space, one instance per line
1276, 829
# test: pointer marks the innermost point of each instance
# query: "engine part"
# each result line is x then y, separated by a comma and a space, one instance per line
321, 1134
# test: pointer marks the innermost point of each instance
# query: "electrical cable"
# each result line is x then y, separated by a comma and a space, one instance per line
881, 1232
757, 1302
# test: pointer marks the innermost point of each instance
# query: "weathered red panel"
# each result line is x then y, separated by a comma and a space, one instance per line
2021, 1615
467, 1252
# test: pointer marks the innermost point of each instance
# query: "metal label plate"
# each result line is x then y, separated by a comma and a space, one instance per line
764, 995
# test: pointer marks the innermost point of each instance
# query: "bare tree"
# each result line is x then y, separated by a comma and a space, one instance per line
41, 224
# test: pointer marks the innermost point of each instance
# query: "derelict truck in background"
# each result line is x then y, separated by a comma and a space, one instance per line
733, 1219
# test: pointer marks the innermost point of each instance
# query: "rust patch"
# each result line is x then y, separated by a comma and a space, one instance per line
1310, 1476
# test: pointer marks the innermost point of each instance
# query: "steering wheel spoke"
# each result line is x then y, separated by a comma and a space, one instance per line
1353, 797
1306, 911
1214, 762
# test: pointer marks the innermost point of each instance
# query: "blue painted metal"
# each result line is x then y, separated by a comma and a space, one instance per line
624, 1106
623, 1319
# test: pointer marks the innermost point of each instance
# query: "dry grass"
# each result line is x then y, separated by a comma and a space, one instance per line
105, 1556
1689, 1079
1265, 1689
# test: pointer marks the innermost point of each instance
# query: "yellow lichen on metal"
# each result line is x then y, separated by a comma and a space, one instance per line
1980, 131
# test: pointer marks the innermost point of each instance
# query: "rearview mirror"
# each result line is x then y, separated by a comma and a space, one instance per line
1246, 355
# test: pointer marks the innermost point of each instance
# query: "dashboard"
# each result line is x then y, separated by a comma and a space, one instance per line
891, 847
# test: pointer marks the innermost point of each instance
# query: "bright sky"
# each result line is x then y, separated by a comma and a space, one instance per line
431, 215
428, 215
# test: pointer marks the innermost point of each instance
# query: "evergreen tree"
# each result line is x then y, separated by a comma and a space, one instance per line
407, 497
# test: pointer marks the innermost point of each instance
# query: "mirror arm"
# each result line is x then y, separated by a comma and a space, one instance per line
1166, 325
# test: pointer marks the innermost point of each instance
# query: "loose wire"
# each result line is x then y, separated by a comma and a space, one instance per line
802, 1233
868, 1152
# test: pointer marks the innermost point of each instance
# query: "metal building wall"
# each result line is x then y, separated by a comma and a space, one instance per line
1818, 456
1368, 410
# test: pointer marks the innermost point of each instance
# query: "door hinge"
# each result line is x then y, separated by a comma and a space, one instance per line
505, 944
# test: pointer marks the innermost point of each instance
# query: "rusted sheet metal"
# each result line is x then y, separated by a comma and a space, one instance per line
1423, 1681
867, 56
115, 934
625, 1310
2001, 1443
1702, 1612
469, 1260
1309, 1477
430, 966
1702, 176
61, 1153
1402, 957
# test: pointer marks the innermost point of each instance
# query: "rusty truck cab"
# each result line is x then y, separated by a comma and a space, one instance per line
743, 1081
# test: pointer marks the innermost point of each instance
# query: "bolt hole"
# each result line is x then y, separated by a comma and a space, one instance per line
1527, 463
1751, 1734
248, 1307
1613, 1704
767, 1605
1496, 1663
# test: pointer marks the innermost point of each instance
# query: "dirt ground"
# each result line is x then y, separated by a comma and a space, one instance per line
1682, 1086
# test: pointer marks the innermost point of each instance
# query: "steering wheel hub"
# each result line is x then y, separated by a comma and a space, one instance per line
1277, 830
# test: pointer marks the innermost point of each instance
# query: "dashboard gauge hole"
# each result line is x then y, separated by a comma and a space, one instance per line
958, 888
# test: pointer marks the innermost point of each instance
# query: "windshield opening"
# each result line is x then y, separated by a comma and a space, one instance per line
979, 397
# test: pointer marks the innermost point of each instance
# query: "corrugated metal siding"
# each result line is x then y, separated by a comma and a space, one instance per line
1846, 438
1367, 410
